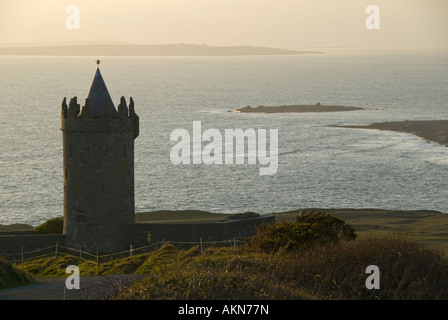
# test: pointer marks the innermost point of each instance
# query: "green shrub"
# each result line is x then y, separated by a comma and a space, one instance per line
11, 277
320, 227
52, 226
307, 230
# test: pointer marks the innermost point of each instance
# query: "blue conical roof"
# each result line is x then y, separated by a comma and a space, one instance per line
98, 93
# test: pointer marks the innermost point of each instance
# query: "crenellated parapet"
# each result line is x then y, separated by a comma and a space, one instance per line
106, 117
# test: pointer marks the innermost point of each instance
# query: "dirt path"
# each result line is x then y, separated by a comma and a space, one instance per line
91, 288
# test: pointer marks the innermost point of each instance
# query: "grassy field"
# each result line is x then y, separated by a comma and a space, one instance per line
327, 272
410, 247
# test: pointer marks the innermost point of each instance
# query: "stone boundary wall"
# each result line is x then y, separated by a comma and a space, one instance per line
11, 244
143, 234
194, 231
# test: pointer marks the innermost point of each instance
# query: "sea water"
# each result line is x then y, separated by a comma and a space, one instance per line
319, 165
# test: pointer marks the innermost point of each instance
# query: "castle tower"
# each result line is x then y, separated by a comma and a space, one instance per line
98, 164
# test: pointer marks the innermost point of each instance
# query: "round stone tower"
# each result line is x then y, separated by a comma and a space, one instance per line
98, 164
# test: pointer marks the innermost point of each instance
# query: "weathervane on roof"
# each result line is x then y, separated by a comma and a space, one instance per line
98, 61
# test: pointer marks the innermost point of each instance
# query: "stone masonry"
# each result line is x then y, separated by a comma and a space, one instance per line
98, 168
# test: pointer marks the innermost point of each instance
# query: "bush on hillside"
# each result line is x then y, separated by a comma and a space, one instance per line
11, 277
407, 270
307, 230
52, 226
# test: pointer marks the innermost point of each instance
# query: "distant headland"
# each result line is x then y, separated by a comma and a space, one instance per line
297, 108
146, 50
431, 130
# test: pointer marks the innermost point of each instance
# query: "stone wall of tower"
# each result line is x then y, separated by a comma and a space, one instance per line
98, 169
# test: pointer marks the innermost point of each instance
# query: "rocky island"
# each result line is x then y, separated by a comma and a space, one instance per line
297, 108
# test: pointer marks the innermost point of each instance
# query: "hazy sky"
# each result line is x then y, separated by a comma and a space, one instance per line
274, 23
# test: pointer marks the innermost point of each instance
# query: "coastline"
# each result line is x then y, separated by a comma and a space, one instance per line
431, 130
296, 108
176, 49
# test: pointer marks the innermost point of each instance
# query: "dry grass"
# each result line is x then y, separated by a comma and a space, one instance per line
409, 269
337, 271
332, 271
